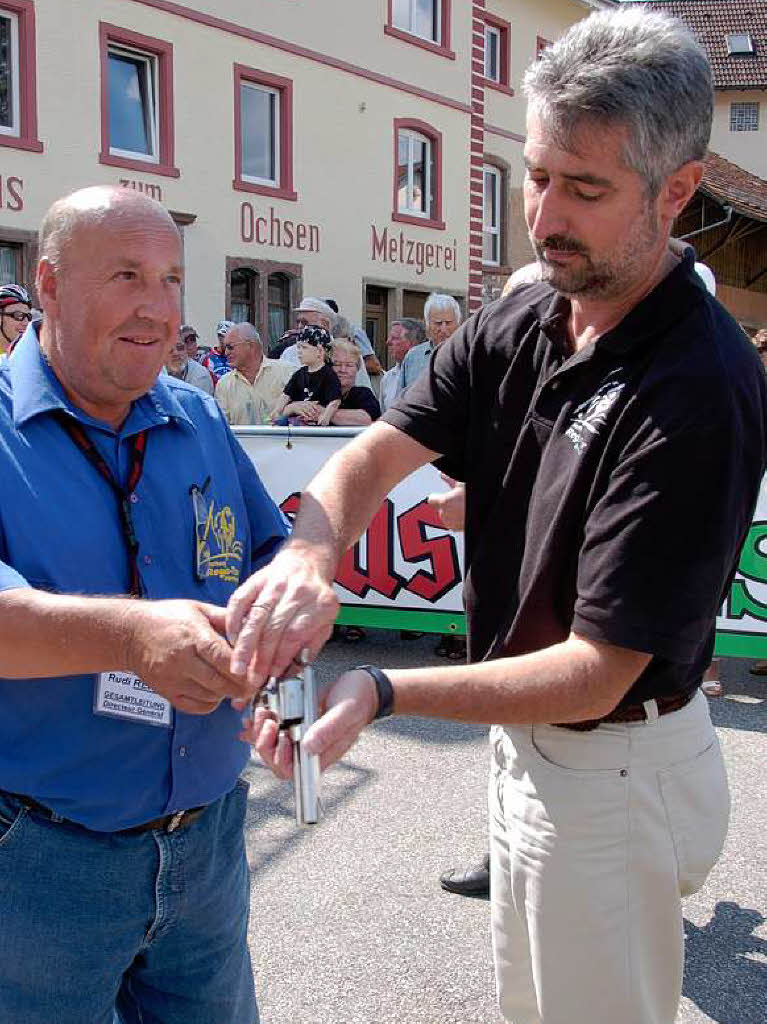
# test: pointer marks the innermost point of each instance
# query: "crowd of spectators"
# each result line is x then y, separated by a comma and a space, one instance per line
322, 372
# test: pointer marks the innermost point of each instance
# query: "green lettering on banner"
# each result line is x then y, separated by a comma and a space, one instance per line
753, 566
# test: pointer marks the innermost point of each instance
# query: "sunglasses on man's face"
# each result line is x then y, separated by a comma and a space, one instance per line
17, 315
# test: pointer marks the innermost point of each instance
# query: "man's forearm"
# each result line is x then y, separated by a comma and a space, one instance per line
43, 635
568, 682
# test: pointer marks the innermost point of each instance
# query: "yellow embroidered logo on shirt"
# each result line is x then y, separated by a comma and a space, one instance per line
219, 553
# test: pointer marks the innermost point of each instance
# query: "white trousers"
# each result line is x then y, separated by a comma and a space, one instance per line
594, 838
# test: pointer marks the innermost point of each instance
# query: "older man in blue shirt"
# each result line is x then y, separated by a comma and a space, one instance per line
128, 515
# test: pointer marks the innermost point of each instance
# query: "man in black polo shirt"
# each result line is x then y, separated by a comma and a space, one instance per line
609, 424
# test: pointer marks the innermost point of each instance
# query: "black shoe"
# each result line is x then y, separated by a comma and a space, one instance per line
471, 882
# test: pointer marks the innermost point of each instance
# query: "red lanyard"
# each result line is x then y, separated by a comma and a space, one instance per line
93, 455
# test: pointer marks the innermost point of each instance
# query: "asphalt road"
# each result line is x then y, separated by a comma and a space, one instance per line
349, 924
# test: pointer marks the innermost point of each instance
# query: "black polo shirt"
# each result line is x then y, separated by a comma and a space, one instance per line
608, 491
361, 398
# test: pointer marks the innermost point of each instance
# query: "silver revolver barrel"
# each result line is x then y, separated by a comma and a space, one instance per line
294, 701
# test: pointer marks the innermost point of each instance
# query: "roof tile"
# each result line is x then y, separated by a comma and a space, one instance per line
711, 21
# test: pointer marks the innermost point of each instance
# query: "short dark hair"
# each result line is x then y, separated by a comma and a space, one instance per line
414, 329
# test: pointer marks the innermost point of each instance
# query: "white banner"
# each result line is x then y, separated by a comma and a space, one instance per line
406, 560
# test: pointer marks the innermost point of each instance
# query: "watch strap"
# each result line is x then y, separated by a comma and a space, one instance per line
384, 689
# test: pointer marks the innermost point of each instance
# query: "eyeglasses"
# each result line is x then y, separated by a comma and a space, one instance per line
232, 345
17, 315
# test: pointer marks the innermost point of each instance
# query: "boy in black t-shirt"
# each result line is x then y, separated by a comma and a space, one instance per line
314, 384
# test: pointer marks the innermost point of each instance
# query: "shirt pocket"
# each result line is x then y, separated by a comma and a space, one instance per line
696, 799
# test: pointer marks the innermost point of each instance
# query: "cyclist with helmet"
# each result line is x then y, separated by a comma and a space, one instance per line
15, 314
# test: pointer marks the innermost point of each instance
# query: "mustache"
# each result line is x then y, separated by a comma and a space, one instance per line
560, 243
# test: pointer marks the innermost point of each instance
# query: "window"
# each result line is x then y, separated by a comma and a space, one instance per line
242, 307
263, 293
419, 17
9, 73
18, 76
425, 23
278, 307
10, 263
491, 214
497, 53
540, 45
263, 115
492, 53
744, 117
739, 42
136, 101
133, 104
417, 174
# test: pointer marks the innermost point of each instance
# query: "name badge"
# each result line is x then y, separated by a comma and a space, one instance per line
124, 695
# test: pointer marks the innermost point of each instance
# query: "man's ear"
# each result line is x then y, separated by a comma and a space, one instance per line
47, 285
679, 188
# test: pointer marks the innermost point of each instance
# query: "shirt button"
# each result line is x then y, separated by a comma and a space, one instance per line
134, 498
147, 559
182, 751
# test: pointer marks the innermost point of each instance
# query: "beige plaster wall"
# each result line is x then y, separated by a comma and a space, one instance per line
747, 149
343, 150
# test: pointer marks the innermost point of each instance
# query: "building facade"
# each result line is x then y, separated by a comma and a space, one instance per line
368, 151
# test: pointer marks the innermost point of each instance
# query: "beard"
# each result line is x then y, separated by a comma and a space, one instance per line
603, 277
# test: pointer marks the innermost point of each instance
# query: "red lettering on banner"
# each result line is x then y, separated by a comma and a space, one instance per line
440, 551
380, 575
290, 505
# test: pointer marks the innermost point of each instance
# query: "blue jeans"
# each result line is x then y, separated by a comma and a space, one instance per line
142, 929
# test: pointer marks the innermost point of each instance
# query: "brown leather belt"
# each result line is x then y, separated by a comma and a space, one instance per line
631, 713
166, 823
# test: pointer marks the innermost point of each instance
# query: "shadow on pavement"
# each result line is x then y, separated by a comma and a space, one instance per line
720, 976
271, 810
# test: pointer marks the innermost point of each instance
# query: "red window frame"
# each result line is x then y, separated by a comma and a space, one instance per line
504, 55
442, 48
540, 45
284, 190
435, 137
27, 138
163, 51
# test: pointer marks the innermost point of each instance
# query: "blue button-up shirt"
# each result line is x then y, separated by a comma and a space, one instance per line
415, 362
60, 532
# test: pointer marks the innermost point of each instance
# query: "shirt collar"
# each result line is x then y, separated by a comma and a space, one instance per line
37, 390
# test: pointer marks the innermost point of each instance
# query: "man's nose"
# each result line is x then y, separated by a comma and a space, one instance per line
548, 216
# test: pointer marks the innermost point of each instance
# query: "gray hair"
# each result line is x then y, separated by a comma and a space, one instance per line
342, 328
638, 69
247, 332
414, 329
439, 303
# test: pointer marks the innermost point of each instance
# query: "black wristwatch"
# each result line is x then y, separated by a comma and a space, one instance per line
384, 689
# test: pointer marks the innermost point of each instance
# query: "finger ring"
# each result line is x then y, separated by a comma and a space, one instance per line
264, 607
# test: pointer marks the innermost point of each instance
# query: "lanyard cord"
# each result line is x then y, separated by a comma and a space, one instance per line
93, 455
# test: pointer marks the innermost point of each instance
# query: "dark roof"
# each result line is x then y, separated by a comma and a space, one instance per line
731, 185
711, 21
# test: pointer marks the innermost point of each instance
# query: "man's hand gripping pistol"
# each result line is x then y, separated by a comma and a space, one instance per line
294, 702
